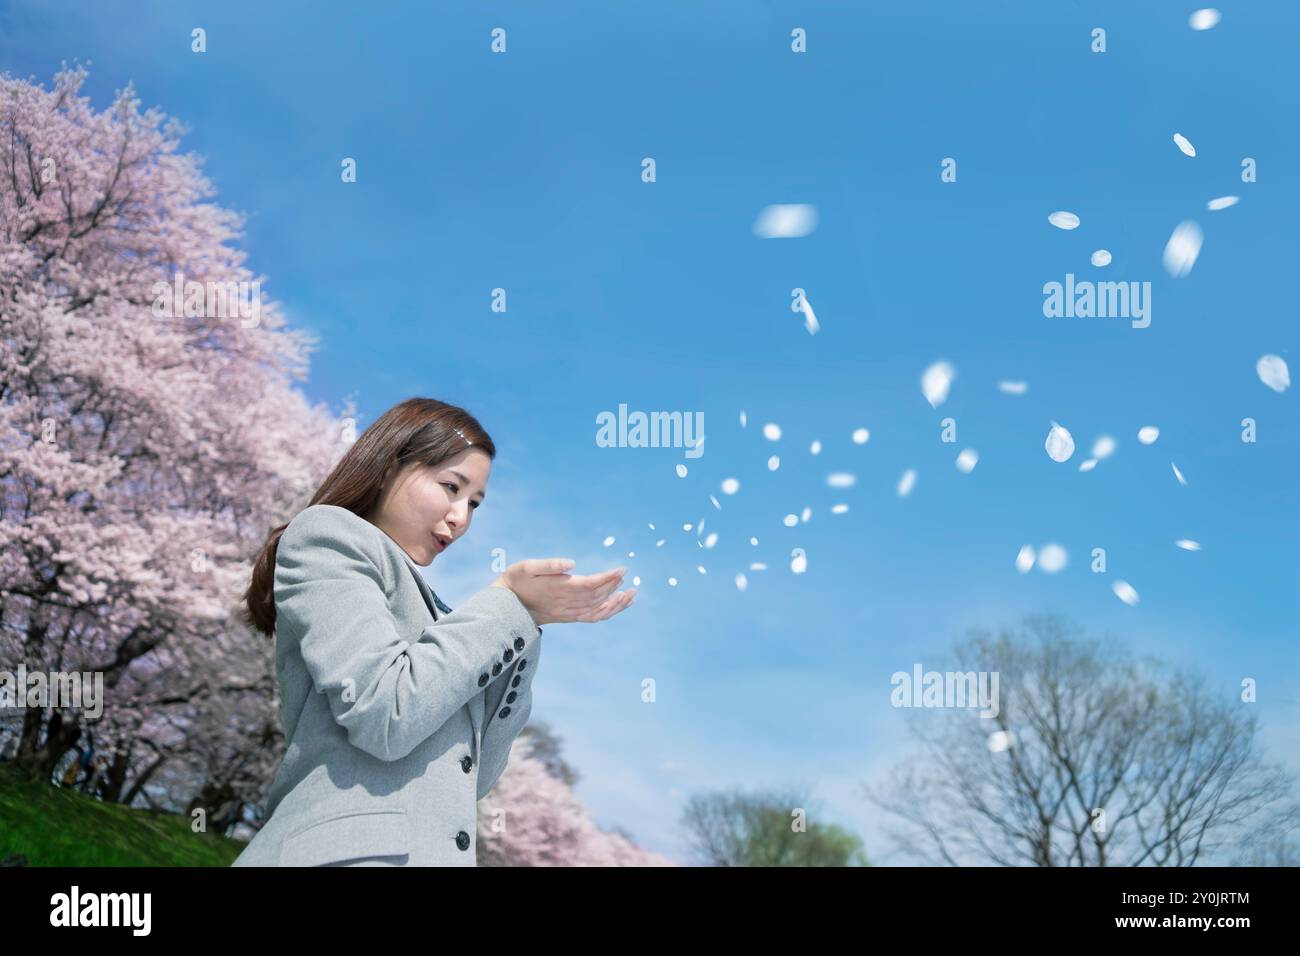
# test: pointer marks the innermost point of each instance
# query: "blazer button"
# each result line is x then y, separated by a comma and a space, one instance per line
466, 762
508, 656
496, 668
482, 680
515, 682
462, 840
519, 643
523, 662
510, 697
505, 712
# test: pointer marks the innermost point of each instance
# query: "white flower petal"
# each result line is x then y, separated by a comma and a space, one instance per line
772, 431
790, 520
967, 459
1147, 434
741, 582
1223, 202
1204, 19
1183, 247
774, 463
841, 479
1187, 544
935, 382
1101, 258
800, 563
1103, 447
839, 509
744, 419
1059, 444
730, 486
1064, 220
672, 582
860, 436
1124, 591
1013, 388
609, 541
815, 448
1183, 144
1000, 740
1088, 464
809, 320
1272, 371
1178, 474
681, 471
906, 483
1025, 559
1052, 558
786, 221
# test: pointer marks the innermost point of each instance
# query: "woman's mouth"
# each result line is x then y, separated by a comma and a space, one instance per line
438, 544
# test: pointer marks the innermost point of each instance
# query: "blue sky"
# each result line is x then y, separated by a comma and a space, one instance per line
522, 171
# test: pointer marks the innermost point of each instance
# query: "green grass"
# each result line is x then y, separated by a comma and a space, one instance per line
52, 826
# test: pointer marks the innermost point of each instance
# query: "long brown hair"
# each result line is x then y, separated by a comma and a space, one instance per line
417, 430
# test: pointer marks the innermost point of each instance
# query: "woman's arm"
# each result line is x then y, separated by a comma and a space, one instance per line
388, 693
499, 732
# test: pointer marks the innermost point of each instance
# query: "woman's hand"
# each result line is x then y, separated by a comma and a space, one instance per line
554, 596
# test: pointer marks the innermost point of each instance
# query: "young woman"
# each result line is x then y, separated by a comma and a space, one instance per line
398, 712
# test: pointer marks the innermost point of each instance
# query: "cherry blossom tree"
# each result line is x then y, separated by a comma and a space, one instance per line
531, 817
148, 442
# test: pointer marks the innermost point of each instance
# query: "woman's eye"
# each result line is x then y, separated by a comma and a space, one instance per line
455, 488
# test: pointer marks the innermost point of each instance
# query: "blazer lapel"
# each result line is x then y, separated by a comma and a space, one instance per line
425, 591
437, 609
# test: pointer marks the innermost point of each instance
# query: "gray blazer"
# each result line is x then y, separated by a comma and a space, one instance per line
398, 712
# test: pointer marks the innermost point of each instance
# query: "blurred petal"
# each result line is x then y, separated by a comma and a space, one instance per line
1059, 444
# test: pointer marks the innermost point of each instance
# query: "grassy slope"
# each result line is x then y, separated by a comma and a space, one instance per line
57, 827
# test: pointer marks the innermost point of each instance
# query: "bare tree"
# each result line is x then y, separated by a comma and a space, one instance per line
1093, 759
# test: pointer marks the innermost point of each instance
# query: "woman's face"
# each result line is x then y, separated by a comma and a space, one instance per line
424, 509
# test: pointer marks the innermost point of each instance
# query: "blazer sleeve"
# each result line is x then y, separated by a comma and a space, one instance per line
509, 702
387, 692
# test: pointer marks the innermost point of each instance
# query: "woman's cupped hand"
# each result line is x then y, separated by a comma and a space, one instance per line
553, 595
